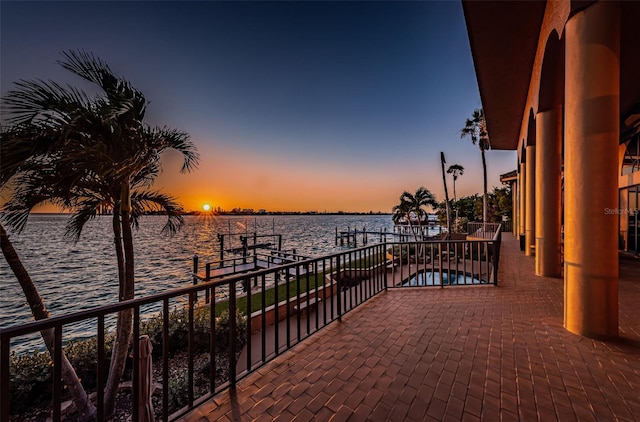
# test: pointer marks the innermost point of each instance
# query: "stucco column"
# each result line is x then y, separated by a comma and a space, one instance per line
521, 207
514, 208
548, 191
530, 193
592, 118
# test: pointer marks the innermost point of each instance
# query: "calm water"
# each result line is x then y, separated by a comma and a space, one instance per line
432, 278
76, 276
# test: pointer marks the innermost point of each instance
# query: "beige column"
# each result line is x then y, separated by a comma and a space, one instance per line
592, 118
548, 191
530, 199
514, 208
521, 196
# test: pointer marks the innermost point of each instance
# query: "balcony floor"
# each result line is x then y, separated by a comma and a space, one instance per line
462, 353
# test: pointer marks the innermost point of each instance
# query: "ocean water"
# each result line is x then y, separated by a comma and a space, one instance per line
73, 276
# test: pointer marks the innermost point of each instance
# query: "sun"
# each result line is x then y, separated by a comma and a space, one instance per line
206, 207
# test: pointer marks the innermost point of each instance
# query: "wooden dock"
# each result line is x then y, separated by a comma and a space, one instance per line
253, 254
354, 237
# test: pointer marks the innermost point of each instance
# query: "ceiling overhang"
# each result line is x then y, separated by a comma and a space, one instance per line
503, 37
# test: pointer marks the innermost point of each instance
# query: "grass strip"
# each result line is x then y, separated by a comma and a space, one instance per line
310, 280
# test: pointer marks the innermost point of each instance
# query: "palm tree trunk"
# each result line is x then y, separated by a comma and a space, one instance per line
446, 194
86, 409
117, 239
415, 236
124, 253
455, 197
484, 192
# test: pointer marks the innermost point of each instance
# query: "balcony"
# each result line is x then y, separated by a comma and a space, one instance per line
376, 351
467, 353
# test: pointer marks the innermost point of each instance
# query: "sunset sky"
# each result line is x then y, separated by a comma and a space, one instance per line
293, 106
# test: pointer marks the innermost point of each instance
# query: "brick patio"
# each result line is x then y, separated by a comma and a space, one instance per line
463, 353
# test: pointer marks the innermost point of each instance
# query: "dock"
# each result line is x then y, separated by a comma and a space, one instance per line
350, 237
401, 233
253, 254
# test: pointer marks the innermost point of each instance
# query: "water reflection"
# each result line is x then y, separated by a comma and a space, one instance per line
75, 276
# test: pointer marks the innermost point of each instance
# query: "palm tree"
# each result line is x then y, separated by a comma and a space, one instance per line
446, 194
402, 213
475, 128
456, 170
13, 160
101, 154
413, 205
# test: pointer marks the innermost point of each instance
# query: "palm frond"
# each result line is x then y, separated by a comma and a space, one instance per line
121, 95
30, 190
85, 210
475, 129
164, 138
144, 200
88, 67
43, 102
455, 168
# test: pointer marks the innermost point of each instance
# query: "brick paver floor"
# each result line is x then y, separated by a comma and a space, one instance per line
463, 353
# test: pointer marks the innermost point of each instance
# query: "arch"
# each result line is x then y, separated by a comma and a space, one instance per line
531, 129
551, 91
578, 5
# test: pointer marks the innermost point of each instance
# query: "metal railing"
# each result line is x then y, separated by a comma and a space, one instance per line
483, 230
447, 262
284, 306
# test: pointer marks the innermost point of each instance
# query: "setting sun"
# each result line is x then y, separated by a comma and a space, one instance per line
206, 207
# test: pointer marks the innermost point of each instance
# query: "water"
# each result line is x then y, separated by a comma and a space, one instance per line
431, 278
76, 276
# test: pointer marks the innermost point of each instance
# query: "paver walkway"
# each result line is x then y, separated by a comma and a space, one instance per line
463, 353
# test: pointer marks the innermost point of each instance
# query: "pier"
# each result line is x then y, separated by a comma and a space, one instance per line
256, 252
350, 237
401, 232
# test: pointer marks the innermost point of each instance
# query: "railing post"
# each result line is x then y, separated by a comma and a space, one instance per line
57, 372
100, 368
135, 378
195, 275
190, 350
339, 286
165, 359
496, 256
232, 335
4, 378
255, 259
207, 278
221, 240
384, 260
245, 249
249, 307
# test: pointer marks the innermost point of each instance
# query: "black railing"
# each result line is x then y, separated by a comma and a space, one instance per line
282, 306
447, 262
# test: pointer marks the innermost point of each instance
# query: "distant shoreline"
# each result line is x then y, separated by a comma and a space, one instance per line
246, 214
